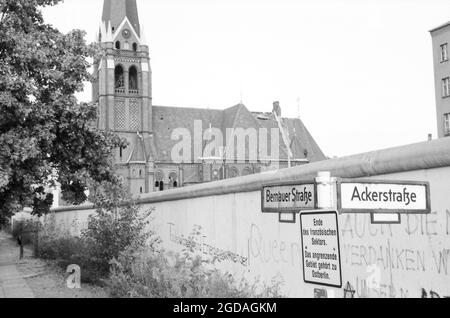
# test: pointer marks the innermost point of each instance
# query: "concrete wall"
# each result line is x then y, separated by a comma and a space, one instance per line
412, 258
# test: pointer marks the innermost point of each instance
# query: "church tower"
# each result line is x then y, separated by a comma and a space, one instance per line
123, 90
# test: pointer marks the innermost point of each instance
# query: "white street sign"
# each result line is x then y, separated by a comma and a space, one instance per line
383, 197
288, 198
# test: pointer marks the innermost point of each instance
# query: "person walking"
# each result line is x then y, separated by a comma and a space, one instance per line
20, 242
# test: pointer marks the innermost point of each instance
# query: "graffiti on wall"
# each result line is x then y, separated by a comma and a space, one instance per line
381, 259
260, 248
267, 251
217, 254
431, 294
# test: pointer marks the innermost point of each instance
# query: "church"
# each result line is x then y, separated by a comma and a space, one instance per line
123, 90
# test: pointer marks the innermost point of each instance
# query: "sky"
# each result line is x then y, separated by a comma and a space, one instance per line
359, 73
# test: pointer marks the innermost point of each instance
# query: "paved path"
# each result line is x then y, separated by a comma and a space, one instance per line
12, 284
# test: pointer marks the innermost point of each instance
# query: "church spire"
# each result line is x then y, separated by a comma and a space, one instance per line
115, 11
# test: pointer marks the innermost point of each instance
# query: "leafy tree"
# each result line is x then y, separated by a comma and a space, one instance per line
44, 130
117, 224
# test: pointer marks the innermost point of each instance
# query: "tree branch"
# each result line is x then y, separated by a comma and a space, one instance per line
4, 11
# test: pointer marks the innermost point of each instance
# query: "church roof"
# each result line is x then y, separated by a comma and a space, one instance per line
167, 119
116, 11
138, 153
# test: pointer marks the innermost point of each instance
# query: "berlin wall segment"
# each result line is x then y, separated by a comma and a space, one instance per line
404, 260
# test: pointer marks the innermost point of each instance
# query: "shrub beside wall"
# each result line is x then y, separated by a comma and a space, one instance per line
156, 274
27, 229
117, 249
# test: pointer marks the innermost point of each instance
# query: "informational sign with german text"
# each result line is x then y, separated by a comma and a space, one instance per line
321, 250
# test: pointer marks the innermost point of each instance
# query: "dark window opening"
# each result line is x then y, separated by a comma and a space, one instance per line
118, 45
173, 180
141, 190
121, 152
159, 184
135, 47
119, 78
133, 81
140, 173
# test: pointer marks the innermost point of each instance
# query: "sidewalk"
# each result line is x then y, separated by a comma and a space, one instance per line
12, 284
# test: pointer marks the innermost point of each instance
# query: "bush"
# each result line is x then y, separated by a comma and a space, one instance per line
5, 224
26, 229
150, 273
117, 224
118, 244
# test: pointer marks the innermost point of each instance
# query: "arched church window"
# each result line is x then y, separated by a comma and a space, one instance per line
233, 173
133, 78
118, 45
159, 184
141, 190
222, 173
247, 171
126, 46
140, 173
173, 178
215, 175
121, 153
135, 47
119, 78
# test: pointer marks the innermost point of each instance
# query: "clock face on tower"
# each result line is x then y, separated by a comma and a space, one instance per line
126, 33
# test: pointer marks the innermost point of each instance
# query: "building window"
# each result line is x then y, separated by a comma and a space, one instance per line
215, 175
135, 47
233, 173
159, 184
444, 52
121, 153
173, 180
118, 45
119, 79
126, 46
447, 124
133, 80
446, 87
247, 171
141, 190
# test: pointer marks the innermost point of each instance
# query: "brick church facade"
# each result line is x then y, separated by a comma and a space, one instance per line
123, 90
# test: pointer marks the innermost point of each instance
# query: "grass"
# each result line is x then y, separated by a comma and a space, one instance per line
48, 280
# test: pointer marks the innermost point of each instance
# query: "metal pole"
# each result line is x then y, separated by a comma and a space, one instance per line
326, 191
